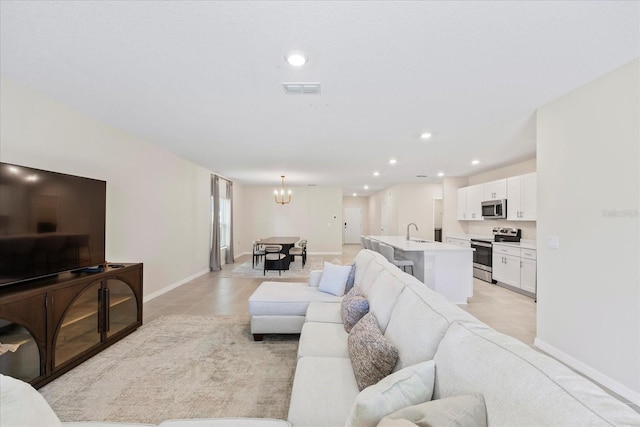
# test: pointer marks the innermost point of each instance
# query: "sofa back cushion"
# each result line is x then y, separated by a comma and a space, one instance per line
415, 329
418, 322
375, 267
361, 261
520, 386
382, 296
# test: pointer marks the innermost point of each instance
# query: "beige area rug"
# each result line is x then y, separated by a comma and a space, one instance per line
181, 367
295, 271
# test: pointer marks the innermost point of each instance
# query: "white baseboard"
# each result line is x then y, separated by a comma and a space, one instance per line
173, 286
597, 376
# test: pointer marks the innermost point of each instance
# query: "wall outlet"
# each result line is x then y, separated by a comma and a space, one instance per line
553, 242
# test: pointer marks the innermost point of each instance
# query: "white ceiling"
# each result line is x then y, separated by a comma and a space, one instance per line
204, 79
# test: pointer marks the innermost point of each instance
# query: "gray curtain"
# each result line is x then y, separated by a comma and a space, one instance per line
229, 258
214, 257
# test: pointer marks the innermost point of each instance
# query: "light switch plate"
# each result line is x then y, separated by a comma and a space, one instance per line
553, 242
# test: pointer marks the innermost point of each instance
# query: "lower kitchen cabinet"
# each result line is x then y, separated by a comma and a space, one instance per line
515, 267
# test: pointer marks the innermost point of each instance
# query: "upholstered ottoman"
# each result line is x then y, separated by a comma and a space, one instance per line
280, 307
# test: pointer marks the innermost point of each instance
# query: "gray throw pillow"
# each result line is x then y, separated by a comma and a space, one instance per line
373, 357
351, 279
354, 306
467, 410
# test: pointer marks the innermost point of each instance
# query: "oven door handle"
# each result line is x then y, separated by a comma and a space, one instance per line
483, 244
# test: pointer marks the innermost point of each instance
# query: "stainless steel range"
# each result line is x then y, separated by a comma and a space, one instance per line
483, 251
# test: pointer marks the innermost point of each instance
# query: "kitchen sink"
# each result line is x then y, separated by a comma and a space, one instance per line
422, 241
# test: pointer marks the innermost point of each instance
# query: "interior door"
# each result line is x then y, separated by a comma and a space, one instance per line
352, 225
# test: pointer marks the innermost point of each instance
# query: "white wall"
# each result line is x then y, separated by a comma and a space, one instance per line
450, 224
407, 203
589, 288
157, 203
315, 213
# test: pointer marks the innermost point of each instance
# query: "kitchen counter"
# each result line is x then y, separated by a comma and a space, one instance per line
445, 268
524, 244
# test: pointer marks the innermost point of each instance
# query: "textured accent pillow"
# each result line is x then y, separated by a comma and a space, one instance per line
351, 280
354, 306
406, 387
373, 357
468, 410
334, 278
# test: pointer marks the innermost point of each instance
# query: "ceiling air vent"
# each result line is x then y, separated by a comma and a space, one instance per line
301, 88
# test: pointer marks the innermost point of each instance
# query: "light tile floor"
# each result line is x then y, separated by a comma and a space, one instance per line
216, 293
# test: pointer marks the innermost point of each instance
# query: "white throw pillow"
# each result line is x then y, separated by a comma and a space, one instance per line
334, 278
406, 387
22, 405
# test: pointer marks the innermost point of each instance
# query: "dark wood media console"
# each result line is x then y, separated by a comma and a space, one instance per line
51, 325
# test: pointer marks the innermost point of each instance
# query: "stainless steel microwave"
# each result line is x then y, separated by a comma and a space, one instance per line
494, 209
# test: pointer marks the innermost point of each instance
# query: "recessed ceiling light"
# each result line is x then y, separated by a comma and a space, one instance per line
425, 135
475, 162
376, 173
296, 59
440, 173
366, 187
355, 194
392, 161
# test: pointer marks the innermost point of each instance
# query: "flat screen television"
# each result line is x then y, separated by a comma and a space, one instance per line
49, 223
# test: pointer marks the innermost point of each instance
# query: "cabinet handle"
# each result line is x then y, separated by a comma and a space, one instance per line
100, 310
107, 304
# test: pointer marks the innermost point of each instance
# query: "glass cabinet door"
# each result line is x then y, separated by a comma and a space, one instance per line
123, 307
79, 329
19, 354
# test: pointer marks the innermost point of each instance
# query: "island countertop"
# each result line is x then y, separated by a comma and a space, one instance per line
417, 244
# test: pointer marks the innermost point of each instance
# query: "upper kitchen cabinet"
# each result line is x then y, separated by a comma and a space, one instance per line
470, 203
495, 190
521, 197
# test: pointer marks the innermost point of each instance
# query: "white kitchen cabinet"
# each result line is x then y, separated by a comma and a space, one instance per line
462, 204
495, 190
470, 203
528, 275
515, 266
521, 197
506, 268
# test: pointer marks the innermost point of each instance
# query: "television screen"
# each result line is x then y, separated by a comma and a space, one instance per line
49, 223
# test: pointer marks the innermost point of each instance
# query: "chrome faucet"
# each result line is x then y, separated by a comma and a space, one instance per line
410, 224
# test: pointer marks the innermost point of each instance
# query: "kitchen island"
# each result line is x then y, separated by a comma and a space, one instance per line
445, 268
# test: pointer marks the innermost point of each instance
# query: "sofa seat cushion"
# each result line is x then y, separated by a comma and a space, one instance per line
323, 392
286, 298
327, 312
520, 386
323, 339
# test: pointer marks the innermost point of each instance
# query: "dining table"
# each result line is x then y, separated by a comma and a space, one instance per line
287, 242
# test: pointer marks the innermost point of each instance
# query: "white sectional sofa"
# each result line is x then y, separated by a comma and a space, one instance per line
515, 384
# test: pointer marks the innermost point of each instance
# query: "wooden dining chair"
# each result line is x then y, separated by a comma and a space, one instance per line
274, 259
